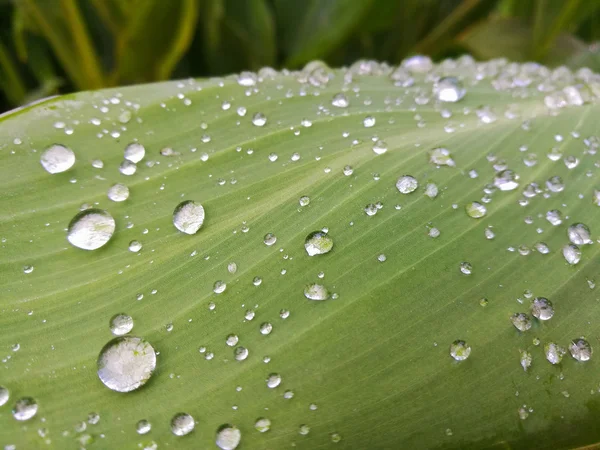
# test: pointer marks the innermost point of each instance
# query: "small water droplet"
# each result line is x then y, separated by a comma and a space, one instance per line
572, 254
4, 395
580, 349
506, 180
407, 184
262, 425
554, 352
369, 121
579, 234
449, 89
127, 168
318, 243
340, 100
475, 210
466, 268
304, 200
135, 246
441, 157
182, 424
121, 324
240, 353
460, 350
266, 328
316, 292
525, 360
118, 193
269, 239
259, 119
521, 321
143, 427
274, 380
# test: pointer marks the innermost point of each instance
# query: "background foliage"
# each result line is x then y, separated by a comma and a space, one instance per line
52, 46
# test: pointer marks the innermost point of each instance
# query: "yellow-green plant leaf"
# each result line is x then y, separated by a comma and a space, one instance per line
407, 276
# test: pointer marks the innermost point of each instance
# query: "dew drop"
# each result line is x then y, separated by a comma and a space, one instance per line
188, 217
449, 89
91, 229
340, 100
240, 353
475, 210
135, 246
121, 324
466, 268
318, 243
554, 352
25, 408
262, 425
219, 287
506, 180
266, 328
579, 234
274, 380
228, 437
571, 253
182, 424
269, 239
126, 363
441, 157
521, 321
304, 200
134, 152
369, 121
460, 350
316, 292
380, 147
580, 349
259, 119
118, 193
127, 168
57, 158
4, 395
541, 308
143, 427
407, 184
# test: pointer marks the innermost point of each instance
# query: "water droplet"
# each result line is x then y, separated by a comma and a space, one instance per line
4, 395
554, 352
127, 168
579, 234
231, 340
460, 350
506, 180
304, 200
121, 324
240, 353
126, 363
571, 253
431, 190
441, 157
188, 216
262, 425
489, 233
118, 193
580, 349
555, 184
407, 184
369, 121
259, 119
228, 437
135, 246
274, 380
25, 408
304, 430
91, 229
340, 100
380, 147
266, 328
27, 269
269, 239
182, 424
143, 426
318, 243
521, 321
134, 152
475, 210
316, 292
219, 287
525, 360
418, 64
348, 170
466, 268
541, 308
554, 216
232, 268
449, 89
57, 158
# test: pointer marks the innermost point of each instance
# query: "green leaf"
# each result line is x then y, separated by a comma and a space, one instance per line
375, 359
510, 38
313, 28
238, 35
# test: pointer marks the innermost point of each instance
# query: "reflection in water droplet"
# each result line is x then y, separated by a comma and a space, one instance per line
182, 424
579, 234
134, 152
228, 437
580, 349
121, 324
460, 350
316, 292
449, 89
274, 380
506, 180
143, 426
554, 352
541, 308
571, 253
188, 216
407, 184
318, 243
4, 395
91, 229
475, 210
57, 158
126, 363
262, 425
441, 157
25, 408
118, 193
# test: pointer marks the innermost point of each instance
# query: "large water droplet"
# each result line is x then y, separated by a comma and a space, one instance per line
118, 193
541, 308
475, 210
134, 152
182, 424
449, 89
259, 119
274, 380
121, 324
506, 180
572, 254
91, 229
460, 350
407, 184
580, 349
228, 437
579, 234
57, 158
318, 243
262, 425
316, 292
554, 352
418, 64
143, 426
188, 216
126, 363
521, 321
25, 409
340, 100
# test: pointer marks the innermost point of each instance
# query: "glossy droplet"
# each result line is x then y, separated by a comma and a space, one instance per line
262, 425
182, 424
91, 229
135, 246
466, 268
188, 217
304, 430
269, 239
571, 253
554, 216
304, 200
475, 210
228, 437
335, 437
460, 350
418, 64
274, 380
506, 180
126, 363
369, 121
521, 321
118, 193
4, 395
318, 243
555, 184
579, 234
380, 147
441, 157
525, 360
127, 168
554, 352
121, 324
259, 119
134, 152
232, 340
219, 287
340, 100
580, 349
266, 328
57, 158
541, 308
240, 353
407, 184
449, 89
25, 408
316, 292
143, 427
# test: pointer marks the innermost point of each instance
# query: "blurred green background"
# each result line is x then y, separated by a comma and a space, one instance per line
58, 46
